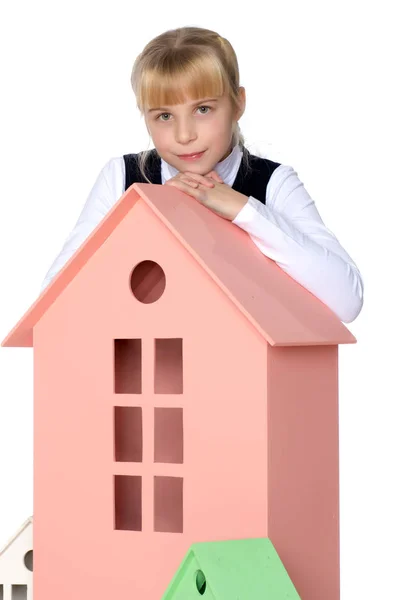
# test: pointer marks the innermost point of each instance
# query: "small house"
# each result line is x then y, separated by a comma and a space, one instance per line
185, 391
16, 565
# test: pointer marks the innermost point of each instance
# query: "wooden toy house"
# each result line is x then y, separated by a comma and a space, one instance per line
238, 569
185, 390
16, 565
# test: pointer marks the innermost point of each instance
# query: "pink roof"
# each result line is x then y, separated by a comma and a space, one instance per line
283, 311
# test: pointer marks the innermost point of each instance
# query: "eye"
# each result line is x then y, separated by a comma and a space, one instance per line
162, 114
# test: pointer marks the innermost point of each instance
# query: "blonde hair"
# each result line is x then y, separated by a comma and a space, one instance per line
186, 62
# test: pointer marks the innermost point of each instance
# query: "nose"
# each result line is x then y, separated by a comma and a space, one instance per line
185, 132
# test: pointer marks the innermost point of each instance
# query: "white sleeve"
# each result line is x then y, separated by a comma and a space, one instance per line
289, 230
107, 189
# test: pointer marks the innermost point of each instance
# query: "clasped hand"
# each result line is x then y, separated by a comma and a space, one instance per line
211, 191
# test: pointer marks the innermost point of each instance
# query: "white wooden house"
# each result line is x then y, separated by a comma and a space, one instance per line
16, 565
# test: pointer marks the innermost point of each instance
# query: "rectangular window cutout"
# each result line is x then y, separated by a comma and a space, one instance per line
128, 366
1, 592
168, 504
128, 435
168, 372
168, 435
19, 592
128, 502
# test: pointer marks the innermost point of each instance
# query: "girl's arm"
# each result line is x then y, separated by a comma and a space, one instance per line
99, 202
289, 230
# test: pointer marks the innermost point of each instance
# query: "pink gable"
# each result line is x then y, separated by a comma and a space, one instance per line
282, 310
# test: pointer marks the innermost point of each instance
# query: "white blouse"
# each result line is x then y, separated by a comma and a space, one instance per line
287, 228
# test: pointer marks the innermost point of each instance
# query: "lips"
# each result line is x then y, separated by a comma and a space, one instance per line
189, 155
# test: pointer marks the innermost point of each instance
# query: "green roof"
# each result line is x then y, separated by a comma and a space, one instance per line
245, 569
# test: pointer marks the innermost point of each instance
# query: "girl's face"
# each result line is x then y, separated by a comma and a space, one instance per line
205, 125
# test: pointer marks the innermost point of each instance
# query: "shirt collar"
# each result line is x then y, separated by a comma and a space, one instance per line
227, 168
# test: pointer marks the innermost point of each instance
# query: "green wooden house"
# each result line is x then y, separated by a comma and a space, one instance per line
247, 569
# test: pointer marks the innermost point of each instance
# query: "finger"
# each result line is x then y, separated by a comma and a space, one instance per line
184, 186
190, 182
175, 181
215, 176
200, 179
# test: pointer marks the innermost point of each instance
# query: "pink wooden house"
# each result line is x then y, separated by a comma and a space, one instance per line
185, 390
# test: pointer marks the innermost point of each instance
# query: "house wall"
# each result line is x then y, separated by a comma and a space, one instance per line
303, 466
15, 574
78, 550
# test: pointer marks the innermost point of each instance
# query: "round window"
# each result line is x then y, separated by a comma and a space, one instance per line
28, 560
201, 584
147, 281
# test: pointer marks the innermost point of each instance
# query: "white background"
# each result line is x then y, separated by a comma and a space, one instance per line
322, 95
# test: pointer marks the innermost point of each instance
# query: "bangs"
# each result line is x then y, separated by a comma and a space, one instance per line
176, 81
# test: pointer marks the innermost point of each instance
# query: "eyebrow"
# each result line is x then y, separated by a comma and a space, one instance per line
192, 104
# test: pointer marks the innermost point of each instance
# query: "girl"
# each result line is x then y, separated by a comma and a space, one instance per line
186, 83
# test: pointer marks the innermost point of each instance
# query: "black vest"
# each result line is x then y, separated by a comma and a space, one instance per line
251, 183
